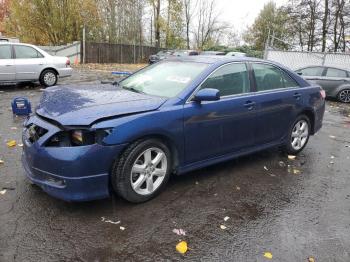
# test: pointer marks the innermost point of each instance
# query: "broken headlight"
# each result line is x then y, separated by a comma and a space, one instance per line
78, 137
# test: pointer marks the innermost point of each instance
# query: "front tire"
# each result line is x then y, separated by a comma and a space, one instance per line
142, 171
344, 96
298, 135
48, 78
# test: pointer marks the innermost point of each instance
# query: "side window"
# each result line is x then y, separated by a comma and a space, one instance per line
268, 77
5, 52
333, 72
229, 80
312, 71
26, 52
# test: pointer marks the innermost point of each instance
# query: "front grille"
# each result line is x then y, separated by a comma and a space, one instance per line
34, 132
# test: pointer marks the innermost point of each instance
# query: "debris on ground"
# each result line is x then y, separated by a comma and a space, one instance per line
332, 157
3, 192
238, 188
311, 259
20, 145
11, 143
103, 219
291, 157
181, 247
268, 255
13, 128
281, 164
223, 227
296, 171
266, 168
122, 228
1, 162
226, 218
333, 137
179, 232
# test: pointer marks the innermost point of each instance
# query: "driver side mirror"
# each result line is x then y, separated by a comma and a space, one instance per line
207, 94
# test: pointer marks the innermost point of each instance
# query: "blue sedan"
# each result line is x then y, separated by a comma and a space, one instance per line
85, 142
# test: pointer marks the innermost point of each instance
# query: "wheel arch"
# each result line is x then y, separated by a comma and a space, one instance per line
311, 115
49, 68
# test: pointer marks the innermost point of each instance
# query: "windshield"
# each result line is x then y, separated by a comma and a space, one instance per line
166, 79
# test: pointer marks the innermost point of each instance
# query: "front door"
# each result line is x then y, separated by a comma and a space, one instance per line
29, 63
218, 127
7, 68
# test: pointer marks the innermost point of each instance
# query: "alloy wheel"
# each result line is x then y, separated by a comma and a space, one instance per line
148, 171
49, 78
300, 134
344, 96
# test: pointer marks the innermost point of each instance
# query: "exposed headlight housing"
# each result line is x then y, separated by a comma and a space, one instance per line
78, 137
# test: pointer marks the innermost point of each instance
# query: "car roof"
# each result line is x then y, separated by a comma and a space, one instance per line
323, 66
215, 59
12, 43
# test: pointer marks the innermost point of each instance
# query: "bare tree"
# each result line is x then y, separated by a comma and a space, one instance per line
189, 6
325, 23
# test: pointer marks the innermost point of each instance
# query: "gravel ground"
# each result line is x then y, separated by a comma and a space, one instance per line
294, 209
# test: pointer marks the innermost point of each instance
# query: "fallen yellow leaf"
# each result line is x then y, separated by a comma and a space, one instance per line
11, 143
296, 172
311, 259
181, 247
268, 255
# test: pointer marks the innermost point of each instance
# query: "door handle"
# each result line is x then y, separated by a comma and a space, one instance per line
249, 104
297, 95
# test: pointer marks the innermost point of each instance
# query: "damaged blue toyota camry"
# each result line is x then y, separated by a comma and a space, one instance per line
86, 142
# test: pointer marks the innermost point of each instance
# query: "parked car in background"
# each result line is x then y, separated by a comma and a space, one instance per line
28, 63
335, 81
161, 55
175, 116
212, 53
238, 54
185, 53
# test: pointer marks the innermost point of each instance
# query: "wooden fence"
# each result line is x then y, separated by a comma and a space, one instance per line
116, 53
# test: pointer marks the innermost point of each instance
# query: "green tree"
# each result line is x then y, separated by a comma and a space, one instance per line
271, 20
51, 21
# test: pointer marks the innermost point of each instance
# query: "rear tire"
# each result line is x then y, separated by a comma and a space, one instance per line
298, 135
142, 171
48, 78
344, 96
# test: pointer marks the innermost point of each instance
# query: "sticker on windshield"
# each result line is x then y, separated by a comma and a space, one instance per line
179, 79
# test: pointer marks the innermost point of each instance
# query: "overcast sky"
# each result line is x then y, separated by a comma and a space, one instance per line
241, 13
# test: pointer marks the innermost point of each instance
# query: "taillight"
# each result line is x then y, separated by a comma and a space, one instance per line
67, 62
323, 93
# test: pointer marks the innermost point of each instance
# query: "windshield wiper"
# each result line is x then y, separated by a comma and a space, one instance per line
133, 90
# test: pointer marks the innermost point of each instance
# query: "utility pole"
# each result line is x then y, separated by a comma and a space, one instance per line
84, 29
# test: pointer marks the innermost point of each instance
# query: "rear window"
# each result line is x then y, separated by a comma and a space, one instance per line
333, 72
312, 71
5, 52
26, 52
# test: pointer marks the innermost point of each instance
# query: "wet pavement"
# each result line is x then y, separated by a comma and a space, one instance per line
294, 209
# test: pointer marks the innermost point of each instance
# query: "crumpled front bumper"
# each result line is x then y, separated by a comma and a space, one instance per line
69, 173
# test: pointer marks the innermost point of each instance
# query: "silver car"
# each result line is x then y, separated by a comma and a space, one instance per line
335, 81
28, 63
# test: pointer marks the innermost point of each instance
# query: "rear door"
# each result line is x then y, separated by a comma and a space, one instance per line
313, 74
227, 125
7, 68
333, 78
278, 98
29, 62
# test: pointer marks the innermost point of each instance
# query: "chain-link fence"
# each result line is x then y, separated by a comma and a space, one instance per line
296, 60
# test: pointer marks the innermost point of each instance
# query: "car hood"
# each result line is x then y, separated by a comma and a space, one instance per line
84, 105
